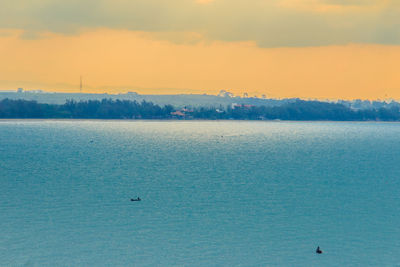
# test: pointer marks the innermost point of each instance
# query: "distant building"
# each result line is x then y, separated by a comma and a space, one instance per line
234, 105
248, 106
20, 90
186, 110
178, 113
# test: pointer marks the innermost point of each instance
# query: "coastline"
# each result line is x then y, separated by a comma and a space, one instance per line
190, 120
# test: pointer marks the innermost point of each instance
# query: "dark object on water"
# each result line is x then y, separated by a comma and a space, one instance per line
318, 251
136, 199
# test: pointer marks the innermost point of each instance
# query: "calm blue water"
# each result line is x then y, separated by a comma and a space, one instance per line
213, 193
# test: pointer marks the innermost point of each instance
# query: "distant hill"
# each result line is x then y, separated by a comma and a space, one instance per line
182, 100
194, 100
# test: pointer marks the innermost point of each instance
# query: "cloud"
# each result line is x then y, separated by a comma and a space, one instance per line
270, 23
6, 33
121, 60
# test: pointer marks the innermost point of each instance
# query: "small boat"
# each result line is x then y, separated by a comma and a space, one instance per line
136, 199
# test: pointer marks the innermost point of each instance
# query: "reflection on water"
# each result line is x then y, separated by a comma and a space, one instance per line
213, 193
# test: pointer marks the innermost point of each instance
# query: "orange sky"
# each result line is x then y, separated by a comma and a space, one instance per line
335, 49
118, 61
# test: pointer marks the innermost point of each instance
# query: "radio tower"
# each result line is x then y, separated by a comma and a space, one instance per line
80, 85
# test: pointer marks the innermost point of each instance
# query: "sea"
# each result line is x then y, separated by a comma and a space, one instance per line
213, 193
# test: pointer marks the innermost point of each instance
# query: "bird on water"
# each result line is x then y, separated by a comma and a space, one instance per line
318, 251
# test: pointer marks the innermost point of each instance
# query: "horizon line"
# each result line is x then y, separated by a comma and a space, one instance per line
43, 91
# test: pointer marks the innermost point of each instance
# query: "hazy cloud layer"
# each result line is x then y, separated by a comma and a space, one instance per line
121, 60
270, 23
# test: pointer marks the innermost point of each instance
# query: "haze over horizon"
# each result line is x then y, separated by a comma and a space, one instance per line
320, 49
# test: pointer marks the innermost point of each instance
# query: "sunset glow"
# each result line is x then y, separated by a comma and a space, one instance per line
197, 48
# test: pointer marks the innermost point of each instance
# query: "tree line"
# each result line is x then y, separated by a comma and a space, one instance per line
125, 109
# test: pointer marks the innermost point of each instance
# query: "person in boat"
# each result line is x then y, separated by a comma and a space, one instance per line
318, 251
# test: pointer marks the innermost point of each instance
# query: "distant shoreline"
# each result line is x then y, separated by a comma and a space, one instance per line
108, 109
192, 120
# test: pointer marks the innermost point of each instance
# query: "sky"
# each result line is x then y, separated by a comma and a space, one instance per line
319, 49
